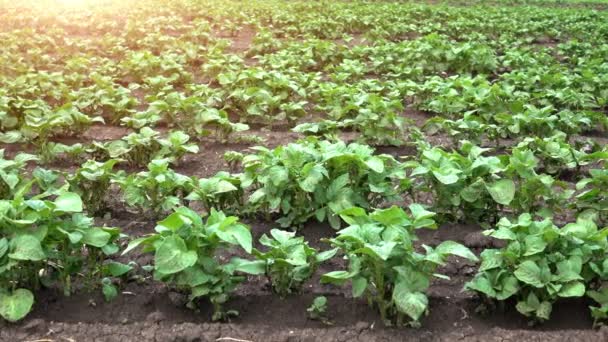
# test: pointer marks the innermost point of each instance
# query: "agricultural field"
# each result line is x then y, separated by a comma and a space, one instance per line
222, 170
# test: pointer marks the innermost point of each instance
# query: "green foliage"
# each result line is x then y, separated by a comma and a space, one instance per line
318, 178
223, 191
593, 194
142, 147
466, 186
383, 264
186, 255
157, 190
289, 261
92, 182
10, 173
541, 263
48, 243
318, 309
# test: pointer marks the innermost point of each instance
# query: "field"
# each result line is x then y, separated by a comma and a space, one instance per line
207, 170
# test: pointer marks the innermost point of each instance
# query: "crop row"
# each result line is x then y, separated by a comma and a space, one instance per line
49, 239
483, 71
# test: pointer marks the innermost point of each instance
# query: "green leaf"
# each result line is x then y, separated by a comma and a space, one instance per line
393, 216
502, 191
313, 174
529, 273
96, 237
172, 222
326, 255
173, 256
544, 310
336, 277
413, 304
278, 175
572, 289
254, 267
3, 246
382, 250
454, 248
510, 286
68, 202
108, 289
481, 284
490, 259
16, 305
117, 269
376, 164
446, 178
243, 236
534, 244
359, 286
26, 247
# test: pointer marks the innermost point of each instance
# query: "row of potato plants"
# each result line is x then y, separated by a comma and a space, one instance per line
52, 243
317, 178
48, 239
480, 85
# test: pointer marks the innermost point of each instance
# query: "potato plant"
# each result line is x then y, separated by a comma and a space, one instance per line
186, 248
48, 243
289, 261
383, 265
313, 178
542, 263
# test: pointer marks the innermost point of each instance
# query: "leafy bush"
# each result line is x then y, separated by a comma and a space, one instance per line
92, 182
318, 178
289, 261
223, 191
186, 250
157, 190
541, 263
10, 173
48, 242
383, 264
146, 145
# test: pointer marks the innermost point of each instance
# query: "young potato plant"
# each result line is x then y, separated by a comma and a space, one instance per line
542, 263
535, 193
599, 313
157, 190
92, 182
383, 264
555, 154
223, 192
312, 178
186, 250
11, 171
41, 125
289, 261
48, 243
140, 148
466, 185
593, 195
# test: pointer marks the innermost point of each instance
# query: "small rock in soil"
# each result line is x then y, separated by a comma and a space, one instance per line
156, 317
360, 326
178, 299
477, 240
35, 325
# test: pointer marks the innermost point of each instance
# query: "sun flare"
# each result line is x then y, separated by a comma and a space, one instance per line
75, 3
